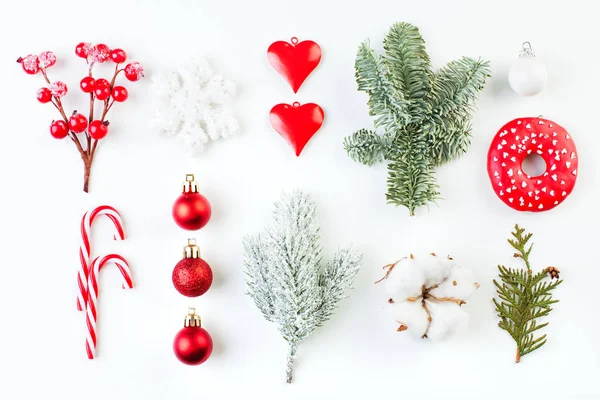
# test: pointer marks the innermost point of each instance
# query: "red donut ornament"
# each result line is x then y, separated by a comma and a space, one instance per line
520, 138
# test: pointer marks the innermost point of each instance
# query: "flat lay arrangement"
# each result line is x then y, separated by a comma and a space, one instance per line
300, 279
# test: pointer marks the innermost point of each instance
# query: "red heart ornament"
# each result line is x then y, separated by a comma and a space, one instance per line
294, 61
297, 123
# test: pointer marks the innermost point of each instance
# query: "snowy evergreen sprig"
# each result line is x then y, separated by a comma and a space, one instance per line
192, 104
425, 116
285, 275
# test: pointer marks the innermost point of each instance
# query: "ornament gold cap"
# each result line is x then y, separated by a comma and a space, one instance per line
192, 319
190, 185
191, 250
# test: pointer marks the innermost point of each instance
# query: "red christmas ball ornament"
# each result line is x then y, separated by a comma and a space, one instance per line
192, 276
191, 210
192, 344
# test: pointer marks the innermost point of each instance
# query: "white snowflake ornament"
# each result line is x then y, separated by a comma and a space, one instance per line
426, 294
192, 104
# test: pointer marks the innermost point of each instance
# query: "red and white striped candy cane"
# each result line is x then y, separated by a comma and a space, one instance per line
92, 299
85, 248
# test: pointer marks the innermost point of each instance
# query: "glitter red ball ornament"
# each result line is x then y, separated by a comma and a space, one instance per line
192, 276
191, 210
192, 344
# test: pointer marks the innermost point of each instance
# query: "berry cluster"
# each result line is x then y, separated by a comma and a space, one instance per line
100, 89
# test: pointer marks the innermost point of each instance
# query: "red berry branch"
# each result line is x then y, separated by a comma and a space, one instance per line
85, 132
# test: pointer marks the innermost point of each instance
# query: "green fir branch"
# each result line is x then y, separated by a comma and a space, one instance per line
367, 147
523, 298
426, 117
386, 104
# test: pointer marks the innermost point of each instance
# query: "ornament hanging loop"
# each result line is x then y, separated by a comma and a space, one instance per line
294, 40
191, 250
296, 104
190, 185
527, 50
192, 319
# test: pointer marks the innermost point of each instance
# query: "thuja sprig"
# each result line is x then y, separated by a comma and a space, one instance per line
84, 132
524, 297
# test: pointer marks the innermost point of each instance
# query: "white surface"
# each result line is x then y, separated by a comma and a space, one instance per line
358, 353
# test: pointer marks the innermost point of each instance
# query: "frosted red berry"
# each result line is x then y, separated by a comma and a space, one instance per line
120, 93
87, 84
59, 129
100, 53
98, 129
118, 56
30, 64
44, 95
83, 50
134, 71
102, 92
78, 122
58, 89
46, 59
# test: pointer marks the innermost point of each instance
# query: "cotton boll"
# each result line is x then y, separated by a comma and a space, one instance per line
446, 317
459, 283
412, 315
406, 279
434, 268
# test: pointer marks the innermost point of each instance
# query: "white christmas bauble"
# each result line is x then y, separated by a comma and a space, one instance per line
527, 76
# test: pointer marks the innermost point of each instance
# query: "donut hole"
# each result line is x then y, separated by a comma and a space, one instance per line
534, 165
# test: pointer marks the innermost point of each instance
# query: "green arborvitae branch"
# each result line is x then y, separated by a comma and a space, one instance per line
367, 147
524, 297
426, 117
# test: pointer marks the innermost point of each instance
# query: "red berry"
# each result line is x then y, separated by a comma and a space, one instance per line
47, 59
30, 64
59, 129
134, 71
118, 55
100, 53
98, 129
87, 84
102, 92
119, 93
58, 89
102, 82
83, 50
44, 95
77, 122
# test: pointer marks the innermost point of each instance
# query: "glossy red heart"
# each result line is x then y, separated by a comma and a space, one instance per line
294, 61
297, 123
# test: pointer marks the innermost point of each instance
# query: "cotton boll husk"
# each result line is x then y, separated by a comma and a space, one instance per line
405, 280
459, 284
446, 317
434, 268
412, 314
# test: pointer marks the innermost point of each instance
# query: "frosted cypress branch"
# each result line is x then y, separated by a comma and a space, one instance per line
285, 276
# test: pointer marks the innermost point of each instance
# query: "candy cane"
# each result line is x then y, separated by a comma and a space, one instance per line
85, 248
92, 299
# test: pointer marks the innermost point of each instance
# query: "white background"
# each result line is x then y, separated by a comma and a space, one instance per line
358, 352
